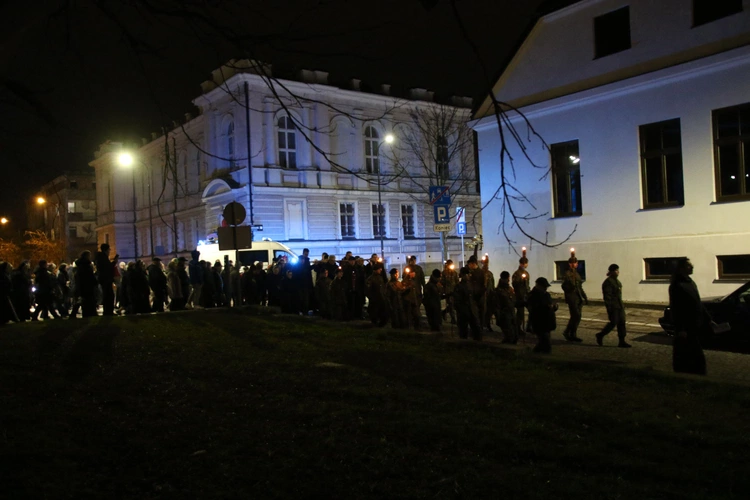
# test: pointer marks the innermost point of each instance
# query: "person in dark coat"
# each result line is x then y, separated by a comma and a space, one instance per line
126, 297
139, 289
7, 313
105, 273
521, 288
377, 308
218, 284
207, 292
273, 286
184, 280
691, 321
449, 280
44, 283
394, 294
289, 294
157, 281
433, 291
303, 275
488, 301
465, 300
260, 276
175, 287
63, 284
505, 312
419, 277
612, 293
323, 293
338, 296
410, 299
575, 297
195, 270
542, 315
21, 290
84, 289
359, 288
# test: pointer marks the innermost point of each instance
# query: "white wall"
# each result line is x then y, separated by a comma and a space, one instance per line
613, 227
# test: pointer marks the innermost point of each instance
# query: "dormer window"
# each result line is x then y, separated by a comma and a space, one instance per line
707, 11
612, 32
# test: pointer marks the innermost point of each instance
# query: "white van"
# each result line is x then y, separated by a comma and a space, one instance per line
263, 251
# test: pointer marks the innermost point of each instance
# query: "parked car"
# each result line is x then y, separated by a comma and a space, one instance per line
733, 309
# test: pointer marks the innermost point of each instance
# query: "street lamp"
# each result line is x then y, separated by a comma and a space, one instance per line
4, 221
40, 200
388, 139
127, 160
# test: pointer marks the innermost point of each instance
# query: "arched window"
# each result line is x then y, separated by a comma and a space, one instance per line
230, 142
287, 143
372, 161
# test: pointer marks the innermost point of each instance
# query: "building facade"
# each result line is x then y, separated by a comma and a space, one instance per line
65, 209
645, 109
318, 164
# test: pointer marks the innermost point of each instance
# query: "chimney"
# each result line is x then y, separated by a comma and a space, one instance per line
154, 136
421, 94
188, 117
461, 101
144, 141
355, 83
311, 76
385, 89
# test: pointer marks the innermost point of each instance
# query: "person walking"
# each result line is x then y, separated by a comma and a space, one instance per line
575, 297
449, 280
506, 309
542, 315
174, 285
157, 280
105, 273
394, 294
84, 288
44, 282
411, 299
612, 293
376, 286
195, 270
21, 290
433, 291
691, 320
521, 288
465, 301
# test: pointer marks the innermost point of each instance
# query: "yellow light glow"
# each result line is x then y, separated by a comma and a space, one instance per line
125, 159
406, 270
389, 138
523, 248
453, 266
380, 259
572, 250
41, 201
3, 220
523, 276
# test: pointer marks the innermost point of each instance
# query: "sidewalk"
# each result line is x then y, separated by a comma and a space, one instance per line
652, 348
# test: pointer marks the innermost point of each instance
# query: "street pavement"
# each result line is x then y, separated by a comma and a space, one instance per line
652, 348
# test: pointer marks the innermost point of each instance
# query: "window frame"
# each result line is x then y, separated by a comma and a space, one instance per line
384, 217
354, 215
415, 234
562, 265
230, 142
555, 172
289, 130
709, 20
598, 52
730, 277
739, 141
648, 276
442, 158
662, 153
372, 160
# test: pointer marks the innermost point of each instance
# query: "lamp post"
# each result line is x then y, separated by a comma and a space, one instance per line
127, 160
388, 139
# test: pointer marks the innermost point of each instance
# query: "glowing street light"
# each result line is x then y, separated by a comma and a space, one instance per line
388, 139
125, 159
4, 220
40, 200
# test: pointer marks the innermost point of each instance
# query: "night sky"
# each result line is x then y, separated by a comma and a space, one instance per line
74, 74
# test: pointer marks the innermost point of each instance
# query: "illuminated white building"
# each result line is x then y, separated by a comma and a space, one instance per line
298, 197
646, 108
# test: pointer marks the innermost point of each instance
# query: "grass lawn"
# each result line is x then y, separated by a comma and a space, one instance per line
225, 404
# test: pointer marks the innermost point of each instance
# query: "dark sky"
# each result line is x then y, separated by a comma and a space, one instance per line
73, 74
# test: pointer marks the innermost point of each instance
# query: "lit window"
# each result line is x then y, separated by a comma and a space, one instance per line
661, 164
660, 268
287, 143
372, 159
378, 221
561, 267
347, 217
731, 142
612, 32
734, 267
566, 179
706, 11
407, 221
71, 207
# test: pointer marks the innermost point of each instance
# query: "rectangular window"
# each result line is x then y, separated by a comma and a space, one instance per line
93, 186
347, 217
71, 207
661, 164
408, 221
442, 159
72, 232
731, 163
660, 268
378, 221
73, 184
561, 267
707, 11
106, 238
612, 32
734, 267
566, 179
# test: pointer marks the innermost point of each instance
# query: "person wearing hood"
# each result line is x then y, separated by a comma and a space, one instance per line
433, 291
542, 315
505, 312
44, 283
139, 289
21, 294
84, 288
7, 313
612, 293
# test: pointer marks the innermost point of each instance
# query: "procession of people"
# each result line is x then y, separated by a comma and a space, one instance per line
339, 290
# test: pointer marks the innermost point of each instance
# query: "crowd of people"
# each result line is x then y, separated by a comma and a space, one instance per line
337, 290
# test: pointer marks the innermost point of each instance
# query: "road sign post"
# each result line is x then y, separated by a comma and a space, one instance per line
461, 228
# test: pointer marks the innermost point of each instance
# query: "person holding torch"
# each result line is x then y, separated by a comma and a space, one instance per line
520, 281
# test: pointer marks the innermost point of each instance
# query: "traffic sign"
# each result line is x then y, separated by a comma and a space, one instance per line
460, 214
439, 195
441, 228
234, 213
442, 216
460, 228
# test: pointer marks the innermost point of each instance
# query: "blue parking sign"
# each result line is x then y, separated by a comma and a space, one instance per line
442, 215
461, 228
